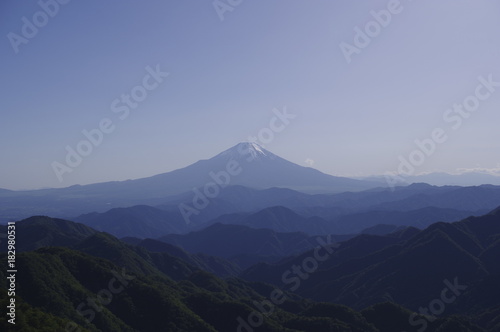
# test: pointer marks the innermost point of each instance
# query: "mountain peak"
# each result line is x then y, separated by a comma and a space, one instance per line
249, 145
248, 150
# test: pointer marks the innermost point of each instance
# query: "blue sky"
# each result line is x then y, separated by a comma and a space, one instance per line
226, 77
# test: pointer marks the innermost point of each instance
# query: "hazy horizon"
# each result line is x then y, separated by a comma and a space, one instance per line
437, 177
350, 115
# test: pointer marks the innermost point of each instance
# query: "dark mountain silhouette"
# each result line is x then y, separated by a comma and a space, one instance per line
420, 218
216, 265
282, 219
237, 199
382, 229
150, 222
42, 231
229, 241
139, 221
407, 267
61, 288
277, 218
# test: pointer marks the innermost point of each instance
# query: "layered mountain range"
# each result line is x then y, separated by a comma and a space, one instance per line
247, 241
245, 164
392, 281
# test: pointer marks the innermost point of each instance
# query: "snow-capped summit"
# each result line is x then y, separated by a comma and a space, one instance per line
257, 167
248, 151
253, 146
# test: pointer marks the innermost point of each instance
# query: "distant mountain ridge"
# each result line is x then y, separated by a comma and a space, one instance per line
469, 178
139, 221
244, 164
283, 219
285, 210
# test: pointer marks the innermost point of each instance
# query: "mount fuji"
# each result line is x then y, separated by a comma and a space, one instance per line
245, 164
260, 168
